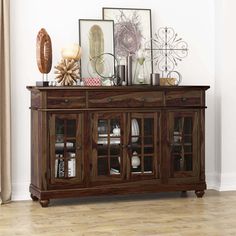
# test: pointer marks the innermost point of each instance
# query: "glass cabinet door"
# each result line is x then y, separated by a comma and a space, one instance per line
107, 146
65, 148
143, 145
184, 140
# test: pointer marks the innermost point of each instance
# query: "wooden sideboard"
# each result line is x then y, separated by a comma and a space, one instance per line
116, 140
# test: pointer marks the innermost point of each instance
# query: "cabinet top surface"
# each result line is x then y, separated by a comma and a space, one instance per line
121, 88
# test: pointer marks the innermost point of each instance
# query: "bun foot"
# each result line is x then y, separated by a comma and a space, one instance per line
44, 203
199, 193
184, 194
34, 198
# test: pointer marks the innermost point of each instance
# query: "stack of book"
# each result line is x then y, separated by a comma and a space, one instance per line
60, 166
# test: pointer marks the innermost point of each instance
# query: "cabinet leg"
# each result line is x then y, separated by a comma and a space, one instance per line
199, 193
44, 203
183, 194
34, 198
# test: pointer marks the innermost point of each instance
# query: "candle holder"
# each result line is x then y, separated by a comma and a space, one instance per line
72, 51
141, 72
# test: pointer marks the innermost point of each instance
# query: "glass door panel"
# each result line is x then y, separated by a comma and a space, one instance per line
143, 148
66, 143
183, 138
107, 157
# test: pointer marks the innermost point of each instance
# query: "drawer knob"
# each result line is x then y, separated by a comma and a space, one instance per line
66, 100
109, 99
184, 99
143, 99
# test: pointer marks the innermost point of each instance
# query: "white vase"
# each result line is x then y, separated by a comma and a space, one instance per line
116, 131
135, 160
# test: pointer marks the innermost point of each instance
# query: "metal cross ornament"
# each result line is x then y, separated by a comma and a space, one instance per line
167, 49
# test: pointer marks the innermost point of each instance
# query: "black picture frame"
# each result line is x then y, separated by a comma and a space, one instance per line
138, 18
106, 28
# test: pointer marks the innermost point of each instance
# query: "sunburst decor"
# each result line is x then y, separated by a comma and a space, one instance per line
67, 72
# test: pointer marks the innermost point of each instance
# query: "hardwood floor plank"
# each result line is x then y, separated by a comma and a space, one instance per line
139, 215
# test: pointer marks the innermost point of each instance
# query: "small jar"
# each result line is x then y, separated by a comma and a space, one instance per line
135, 160
116, 131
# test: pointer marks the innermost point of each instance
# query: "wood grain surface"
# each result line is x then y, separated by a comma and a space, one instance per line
147, 215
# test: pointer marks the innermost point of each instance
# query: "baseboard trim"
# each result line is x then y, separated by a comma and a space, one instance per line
213, 181
224, 182
228, 182
20, 191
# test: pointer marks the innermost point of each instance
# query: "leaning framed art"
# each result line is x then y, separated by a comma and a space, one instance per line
132, 33
96, 38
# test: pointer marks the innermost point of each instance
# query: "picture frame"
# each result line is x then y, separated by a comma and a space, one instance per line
96, 38
132, 33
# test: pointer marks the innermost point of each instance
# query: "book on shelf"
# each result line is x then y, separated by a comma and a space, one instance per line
60, 167
71, 168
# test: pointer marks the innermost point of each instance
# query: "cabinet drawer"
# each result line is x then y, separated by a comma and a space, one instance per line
67, 99
125, 99
183, 98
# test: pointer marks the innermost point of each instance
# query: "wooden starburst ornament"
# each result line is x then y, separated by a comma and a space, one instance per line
67, 72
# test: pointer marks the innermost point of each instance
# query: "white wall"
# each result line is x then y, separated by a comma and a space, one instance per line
192, 19
225, 93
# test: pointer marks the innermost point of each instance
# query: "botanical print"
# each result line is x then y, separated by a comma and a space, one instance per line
128, 34
132, 31
96, 38
96, 47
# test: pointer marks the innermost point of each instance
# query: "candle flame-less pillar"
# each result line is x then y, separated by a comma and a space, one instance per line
120, 74
129, 69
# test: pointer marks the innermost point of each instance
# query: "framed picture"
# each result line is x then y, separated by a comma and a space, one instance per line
96, 38
132, 35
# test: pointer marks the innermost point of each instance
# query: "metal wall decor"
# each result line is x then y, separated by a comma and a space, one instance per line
168, 49
110, 62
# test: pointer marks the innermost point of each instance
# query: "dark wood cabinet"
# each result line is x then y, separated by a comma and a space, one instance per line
116, 140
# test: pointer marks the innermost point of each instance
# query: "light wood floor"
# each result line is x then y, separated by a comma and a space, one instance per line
139, 215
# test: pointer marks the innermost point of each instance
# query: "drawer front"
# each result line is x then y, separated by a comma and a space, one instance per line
184, 98
36, 99
66, 99
125, 99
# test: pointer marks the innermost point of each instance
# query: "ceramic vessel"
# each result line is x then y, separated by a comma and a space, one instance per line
135, 160
116, 131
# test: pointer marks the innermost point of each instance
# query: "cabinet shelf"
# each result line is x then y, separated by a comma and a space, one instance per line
142, 173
